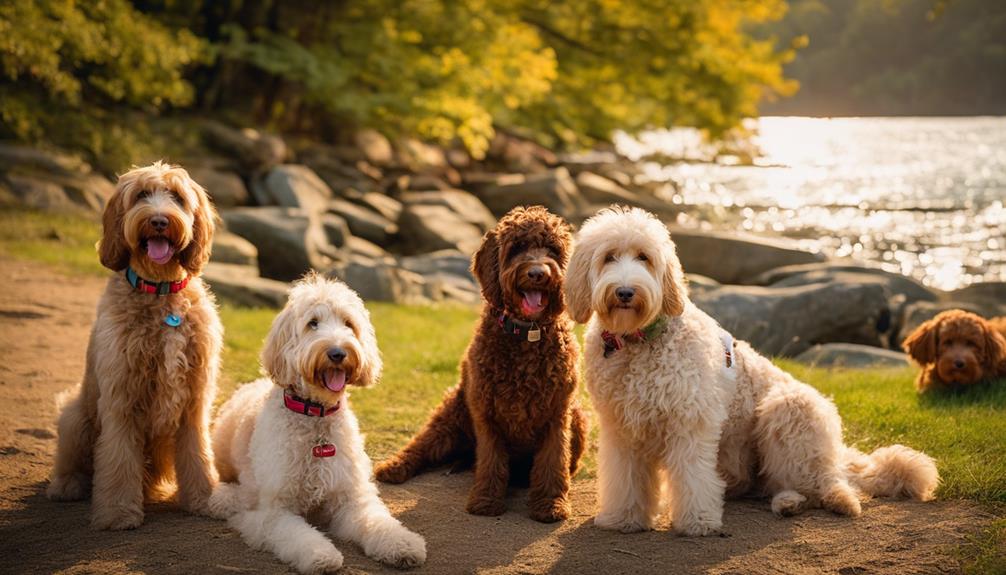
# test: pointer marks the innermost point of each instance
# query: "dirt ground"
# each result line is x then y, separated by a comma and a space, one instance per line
44, 322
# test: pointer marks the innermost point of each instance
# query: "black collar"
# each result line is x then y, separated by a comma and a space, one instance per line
520, 329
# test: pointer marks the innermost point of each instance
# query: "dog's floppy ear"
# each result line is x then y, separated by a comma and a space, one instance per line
995, 346
921, 344
371, 366
113, 252
197, 253
577, 288
674, 283
274, 352
486, 269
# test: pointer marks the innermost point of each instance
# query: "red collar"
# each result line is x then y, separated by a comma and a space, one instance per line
308, 407
159, 288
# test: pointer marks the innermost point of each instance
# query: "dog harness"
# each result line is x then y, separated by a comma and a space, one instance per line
525, 330
158, 288
321, 448
613, 343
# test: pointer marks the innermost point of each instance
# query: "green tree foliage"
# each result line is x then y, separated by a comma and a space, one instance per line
64, 66
897, 57
570, 72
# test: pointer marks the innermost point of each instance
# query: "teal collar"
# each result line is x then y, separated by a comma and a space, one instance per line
159, 288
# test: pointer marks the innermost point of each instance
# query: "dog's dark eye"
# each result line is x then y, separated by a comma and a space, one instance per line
143, 194
515, 251
609, 258
642, 257
313, 324
350, 325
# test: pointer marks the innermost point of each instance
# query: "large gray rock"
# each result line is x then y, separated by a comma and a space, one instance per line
852, 355
835, 271
600, 190
988, 294
225, 188
387, 206
450, 262
297, 186
419, 156
43, 161
40, 194
289, 241
241, 285
735, 258
357, 246
374, 147
427, 228
231, 248
336, 229
362, 222
787, 321
380, 280
516, 154
254, 150
468, 207
553, 189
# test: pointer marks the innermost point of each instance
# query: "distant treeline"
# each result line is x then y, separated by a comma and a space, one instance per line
895, 57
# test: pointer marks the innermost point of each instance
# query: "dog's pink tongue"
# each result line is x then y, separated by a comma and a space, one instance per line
531, 303
159, 250
335, 380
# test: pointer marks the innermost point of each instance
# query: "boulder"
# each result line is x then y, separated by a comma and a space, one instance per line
362, 222
787, 321
449, 262
699, 283
430, 227
336, 229
41, 161
553, 189
852, 355
445, 287
468, 207
516, 154
735, 258
40, 194
380, 280
387, 206
289, 241
297, 186
835, 271
991, 295
225, 188
600, 190
421, 183
253, 150
419, 156
357, 246
374, 147
231, 248
241, 285
91, 191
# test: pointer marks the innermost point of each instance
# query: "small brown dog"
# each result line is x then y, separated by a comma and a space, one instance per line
957, 348
140, 419
515, 405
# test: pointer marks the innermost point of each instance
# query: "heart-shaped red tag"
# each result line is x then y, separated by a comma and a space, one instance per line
323, 450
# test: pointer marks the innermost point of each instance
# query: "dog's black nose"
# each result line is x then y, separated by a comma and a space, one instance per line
336, 354
958, 364
537, 273
159, 223
625, 294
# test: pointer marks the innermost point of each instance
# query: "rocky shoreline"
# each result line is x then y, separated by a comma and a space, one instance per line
399, 221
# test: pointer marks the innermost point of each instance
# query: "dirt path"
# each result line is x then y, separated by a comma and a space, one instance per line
44, 321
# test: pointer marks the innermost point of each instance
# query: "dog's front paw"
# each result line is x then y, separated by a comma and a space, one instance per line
488, 506
403, 550
69, 487
224, 502
392, 471
698, 528
622, 523
549, 510
117, 518
320, 561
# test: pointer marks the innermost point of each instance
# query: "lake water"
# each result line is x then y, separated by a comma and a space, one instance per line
920, 196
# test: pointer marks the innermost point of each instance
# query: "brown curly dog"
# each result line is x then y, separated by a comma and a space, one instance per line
140, 420
515, 404
958, 348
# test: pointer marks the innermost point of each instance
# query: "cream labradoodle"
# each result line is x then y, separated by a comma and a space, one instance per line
678, 398
291, 447
139, 422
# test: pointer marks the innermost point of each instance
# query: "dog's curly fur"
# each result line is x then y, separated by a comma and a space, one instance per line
515, 403
264, 450
671, 405
140, 419
957, 349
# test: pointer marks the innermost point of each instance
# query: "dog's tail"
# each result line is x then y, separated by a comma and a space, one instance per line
892, 471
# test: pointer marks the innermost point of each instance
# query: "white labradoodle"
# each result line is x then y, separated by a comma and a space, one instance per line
675, 395
294, 447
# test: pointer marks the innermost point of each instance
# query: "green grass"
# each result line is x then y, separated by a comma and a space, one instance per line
422, 345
